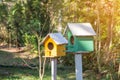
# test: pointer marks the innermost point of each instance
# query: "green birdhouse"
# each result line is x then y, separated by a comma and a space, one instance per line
80, 37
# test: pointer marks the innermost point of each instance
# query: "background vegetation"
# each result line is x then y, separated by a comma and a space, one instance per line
21, 21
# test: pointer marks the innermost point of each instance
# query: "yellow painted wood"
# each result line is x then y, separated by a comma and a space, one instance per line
61, 50
49, 52
57, 51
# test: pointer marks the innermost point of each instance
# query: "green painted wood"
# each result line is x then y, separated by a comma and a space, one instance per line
70, 47
85, 44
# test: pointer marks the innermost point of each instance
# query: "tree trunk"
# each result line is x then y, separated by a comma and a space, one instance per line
41, 66
40, 60
110, 33
98, 52
9, 39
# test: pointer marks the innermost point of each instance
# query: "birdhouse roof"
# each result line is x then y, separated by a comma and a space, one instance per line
81, 29
57, 37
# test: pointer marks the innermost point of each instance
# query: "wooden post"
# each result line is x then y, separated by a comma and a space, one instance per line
54, 68
78, 66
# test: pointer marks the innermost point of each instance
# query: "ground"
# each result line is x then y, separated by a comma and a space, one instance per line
14, 66
17, 56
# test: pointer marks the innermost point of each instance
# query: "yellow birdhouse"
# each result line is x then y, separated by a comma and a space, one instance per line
54, 44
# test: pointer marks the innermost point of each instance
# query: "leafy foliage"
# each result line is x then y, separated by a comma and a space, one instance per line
29, 17
26, 19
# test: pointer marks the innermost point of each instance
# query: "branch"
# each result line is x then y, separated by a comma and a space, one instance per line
43, 26
43, 70
28, 64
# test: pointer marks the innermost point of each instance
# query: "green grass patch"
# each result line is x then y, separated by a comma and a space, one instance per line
14, 73
13, 68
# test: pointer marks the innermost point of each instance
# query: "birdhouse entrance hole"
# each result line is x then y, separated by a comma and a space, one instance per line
50, 46
72, 40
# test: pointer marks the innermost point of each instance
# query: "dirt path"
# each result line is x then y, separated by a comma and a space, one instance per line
20, 52
15, 56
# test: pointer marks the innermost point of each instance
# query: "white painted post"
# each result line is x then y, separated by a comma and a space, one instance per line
78, 66
53, 68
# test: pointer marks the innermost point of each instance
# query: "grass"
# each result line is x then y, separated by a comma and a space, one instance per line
14, 73
7, 73
9, 58
11, 70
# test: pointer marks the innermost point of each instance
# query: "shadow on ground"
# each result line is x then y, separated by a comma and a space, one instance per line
15, 73
13, 68
12, 59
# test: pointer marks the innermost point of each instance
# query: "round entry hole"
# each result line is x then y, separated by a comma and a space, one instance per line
50, 46
72, 40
